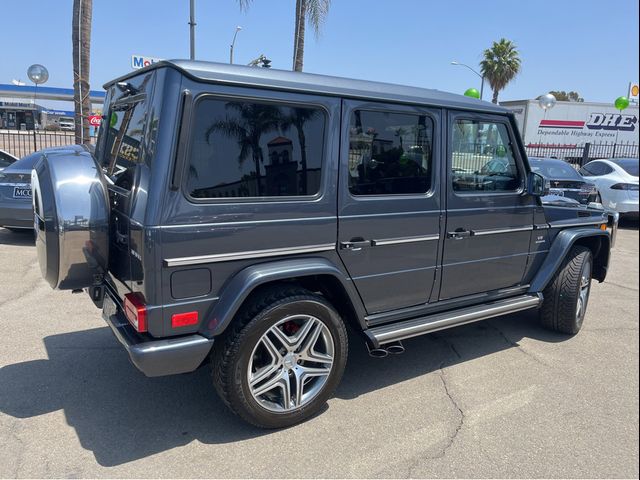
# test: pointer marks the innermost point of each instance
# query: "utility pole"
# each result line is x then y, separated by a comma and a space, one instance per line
192, 29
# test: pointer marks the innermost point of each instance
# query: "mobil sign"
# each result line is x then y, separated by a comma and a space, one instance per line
141, 61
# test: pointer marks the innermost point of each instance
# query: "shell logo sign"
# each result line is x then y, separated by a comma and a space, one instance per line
634, 91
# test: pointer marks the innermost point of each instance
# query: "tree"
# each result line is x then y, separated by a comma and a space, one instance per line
500, 65
563, 96
298, 117
250, 122
81, 39
313, 11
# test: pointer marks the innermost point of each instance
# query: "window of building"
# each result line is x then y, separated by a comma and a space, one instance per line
482, 158
389, 153
250, 149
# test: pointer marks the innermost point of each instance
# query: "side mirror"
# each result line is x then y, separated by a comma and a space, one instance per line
537, 185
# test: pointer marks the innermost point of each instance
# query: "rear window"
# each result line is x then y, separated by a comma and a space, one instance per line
125, 127
243, 149
630, 165
555, 169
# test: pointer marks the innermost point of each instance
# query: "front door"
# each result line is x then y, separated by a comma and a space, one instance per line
489, 213
389, 207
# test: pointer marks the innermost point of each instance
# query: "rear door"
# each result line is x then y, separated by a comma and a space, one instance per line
389, 206
489, 214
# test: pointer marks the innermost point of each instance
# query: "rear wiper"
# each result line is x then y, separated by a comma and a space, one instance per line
127, 88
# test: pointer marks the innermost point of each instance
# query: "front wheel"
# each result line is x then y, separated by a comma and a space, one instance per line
566, 297
282, 358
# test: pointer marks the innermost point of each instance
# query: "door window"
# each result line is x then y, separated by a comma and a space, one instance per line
389, 153
482, 158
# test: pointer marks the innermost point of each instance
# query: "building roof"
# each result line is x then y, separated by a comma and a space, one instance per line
280, 141
46, 93
240, 75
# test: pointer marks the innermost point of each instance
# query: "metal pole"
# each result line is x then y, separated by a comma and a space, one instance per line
482, 87
35, 96
192, 30
233, 42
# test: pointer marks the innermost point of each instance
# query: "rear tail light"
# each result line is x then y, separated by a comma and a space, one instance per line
136, 311
625, 186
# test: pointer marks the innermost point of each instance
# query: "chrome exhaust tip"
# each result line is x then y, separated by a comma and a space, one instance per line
395, 348
376, 352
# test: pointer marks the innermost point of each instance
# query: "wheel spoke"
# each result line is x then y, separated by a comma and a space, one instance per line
275, 381
314, 372
271, 348
282, 337
264, 373
299, 376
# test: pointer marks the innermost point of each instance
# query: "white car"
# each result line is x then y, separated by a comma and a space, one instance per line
6, 159
617, 182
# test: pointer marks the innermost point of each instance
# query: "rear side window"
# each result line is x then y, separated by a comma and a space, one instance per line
389, 153
596, 169
242, 149
482, 159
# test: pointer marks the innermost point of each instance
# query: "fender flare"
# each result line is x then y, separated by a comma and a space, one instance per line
242, 284
559, 249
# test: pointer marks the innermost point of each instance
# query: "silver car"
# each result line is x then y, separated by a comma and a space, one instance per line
16, 211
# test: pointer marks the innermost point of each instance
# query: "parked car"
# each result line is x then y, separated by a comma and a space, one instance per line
617, 182
241, 217
6, 159
16, 211
564, 180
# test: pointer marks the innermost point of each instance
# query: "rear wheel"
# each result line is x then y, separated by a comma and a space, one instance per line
281, 359
566, 297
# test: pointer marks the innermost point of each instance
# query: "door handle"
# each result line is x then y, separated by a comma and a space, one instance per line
355, 244
459, 234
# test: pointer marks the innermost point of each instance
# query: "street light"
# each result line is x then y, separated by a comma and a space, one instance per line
233, 42
37, 74
477, 73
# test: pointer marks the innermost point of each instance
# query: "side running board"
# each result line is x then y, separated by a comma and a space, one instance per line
419, 326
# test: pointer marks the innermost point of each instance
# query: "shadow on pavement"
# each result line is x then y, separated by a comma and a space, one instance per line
18, 237
120, 415
629, 222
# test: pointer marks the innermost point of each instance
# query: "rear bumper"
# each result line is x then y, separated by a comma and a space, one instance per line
16, 214
160, 357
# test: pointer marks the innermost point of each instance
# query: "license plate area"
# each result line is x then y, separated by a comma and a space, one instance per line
22, 192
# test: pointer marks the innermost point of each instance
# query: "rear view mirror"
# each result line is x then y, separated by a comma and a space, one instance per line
537, 185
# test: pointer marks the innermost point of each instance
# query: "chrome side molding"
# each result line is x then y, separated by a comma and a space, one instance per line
228, 257
396, 241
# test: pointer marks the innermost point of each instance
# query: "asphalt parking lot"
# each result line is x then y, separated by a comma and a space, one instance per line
502, 398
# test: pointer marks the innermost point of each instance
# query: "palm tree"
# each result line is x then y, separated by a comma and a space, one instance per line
251, 122
297, 118
500, 65
315, 12
81, 39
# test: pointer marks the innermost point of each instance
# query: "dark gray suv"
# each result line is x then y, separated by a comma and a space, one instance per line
243, 217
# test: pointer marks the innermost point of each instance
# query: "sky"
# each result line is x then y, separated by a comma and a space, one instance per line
589, 46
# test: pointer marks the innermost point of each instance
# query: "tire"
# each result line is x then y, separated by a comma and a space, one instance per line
567, 296
254, 346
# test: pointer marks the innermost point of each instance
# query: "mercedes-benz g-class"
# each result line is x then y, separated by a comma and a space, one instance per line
243, 217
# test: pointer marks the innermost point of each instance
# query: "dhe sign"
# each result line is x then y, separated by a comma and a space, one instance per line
611, 121
140, 61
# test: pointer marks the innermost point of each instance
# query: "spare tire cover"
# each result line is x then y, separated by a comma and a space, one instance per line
71, 217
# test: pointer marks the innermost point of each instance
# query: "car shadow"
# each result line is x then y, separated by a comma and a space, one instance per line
121, 415
629, 223
19, 238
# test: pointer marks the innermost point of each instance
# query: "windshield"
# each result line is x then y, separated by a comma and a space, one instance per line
555, 169
630, 165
